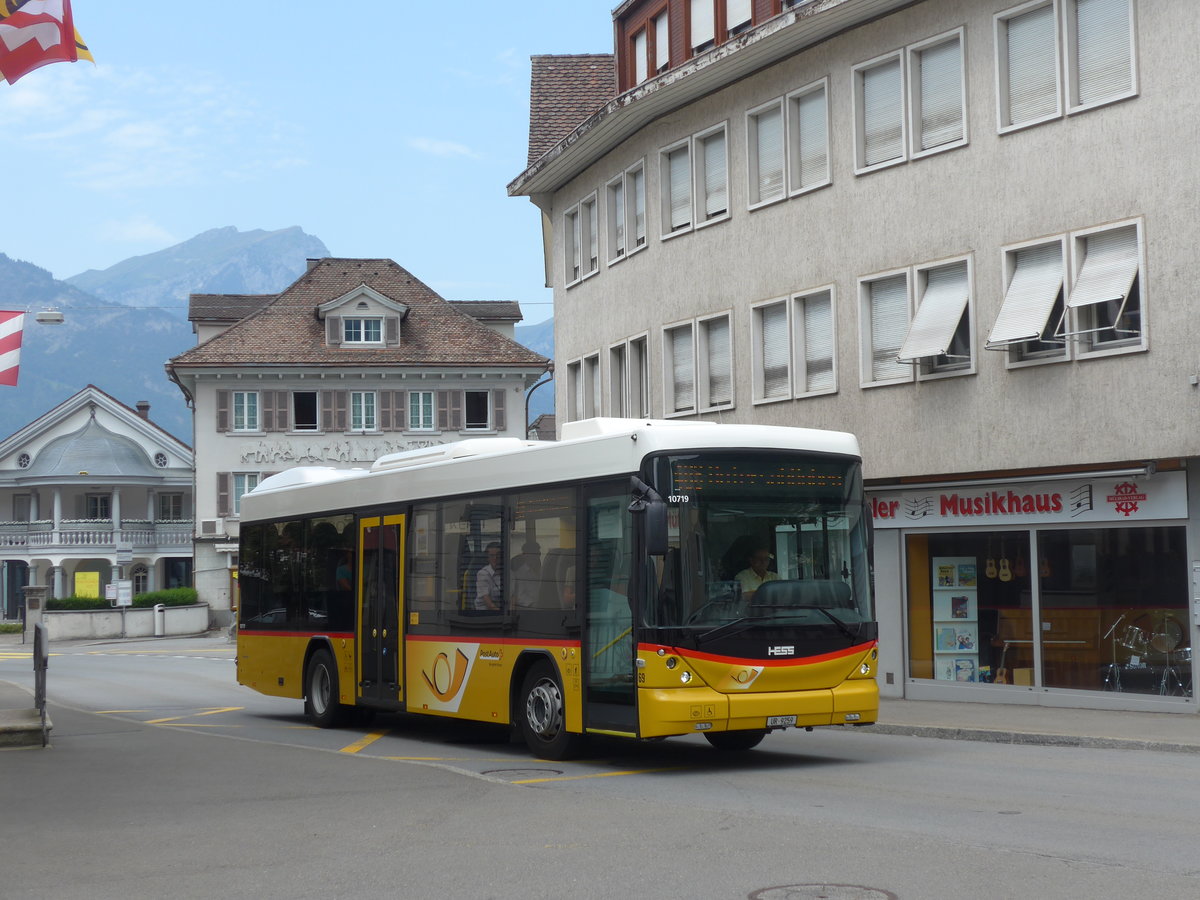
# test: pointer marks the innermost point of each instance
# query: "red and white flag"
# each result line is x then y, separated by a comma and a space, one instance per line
11, 326
35, 33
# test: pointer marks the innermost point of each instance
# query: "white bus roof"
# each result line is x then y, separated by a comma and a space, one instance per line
592, 448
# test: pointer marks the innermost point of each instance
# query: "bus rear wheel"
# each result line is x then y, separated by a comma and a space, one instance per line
321, 691
542, 714
734, 741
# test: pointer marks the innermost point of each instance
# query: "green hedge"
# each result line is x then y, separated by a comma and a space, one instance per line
10, 628
171, 597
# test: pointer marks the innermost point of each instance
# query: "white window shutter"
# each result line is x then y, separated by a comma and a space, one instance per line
775, 350
1108, 269
637, 186
720, 364
639, 57
768, 126
703, 26
883, 113
938, 313
1103, 49
333, 330
662, 42
889, 321
716, 200
818, 342
737, 12
941, 94
680, 187
811, 140
683, 369
1032, 66
616, 198
1036, 280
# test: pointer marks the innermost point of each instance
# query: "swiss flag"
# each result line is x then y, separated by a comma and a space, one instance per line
36, 33
11, 326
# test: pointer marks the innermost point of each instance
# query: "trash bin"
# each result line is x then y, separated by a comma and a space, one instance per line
160, 620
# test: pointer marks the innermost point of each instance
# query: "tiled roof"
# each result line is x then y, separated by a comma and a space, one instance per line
565, 90
287, 331
490, 310
225, 307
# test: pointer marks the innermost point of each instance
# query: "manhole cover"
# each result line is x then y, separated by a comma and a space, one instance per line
822, 892
522, 774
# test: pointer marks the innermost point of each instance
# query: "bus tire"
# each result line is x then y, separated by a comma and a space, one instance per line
735, 741
321, 691
542, 714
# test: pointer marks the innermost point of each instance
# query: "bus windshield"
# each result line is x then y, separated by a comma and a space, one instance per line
761, 538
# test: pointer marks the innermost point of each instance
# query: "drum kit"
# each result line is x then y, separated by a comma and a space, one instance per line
1163, 642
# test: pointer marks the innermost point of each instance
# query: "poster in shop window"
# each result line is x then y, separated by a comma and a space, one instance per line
955, 618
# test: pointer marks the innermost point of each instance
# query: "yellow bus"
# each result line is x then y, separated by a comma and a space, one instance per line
638, 578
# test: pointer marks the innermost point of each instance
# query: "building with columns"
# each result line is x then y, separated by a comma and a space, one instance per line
93, 492
356, 359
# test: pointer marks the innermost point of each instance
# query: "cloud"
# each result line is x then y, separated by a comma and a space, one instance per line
445, 149
140, 229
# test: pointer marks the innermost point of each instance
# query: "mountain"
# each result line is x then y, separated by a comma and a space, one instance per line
219, 261
540, 339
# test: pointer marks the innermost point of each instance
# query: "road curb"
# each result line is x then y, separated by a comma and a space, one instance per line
997, 736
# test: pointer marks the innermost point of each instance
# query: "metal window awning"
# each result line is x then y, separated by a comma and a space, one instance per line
938, 315
1030, 297
1106, 275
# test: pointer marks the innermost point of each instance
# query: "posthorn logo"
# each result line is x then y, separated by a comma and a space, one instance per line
1125, 498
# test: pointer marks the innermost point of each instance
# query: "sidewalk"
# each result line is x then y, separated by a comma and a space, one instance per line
995, 722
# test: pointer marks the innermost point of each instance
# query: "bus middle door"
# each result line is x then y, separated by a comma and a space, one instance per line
381, 577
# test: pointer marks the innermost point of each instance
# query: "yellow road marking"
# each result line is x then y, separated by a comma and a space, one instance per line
204, 652
207, 712
598, 775
365, 741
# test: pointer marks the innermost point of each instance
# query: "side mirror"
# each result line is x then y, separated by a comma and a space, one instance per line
650, 506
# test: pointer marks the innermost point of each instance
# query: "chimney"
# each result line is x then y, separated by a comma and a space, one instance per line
312, 264
143, 409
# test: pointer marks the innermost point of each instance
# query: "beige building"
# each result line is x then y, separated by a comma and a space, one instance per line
93, 493
957, 228
356, 359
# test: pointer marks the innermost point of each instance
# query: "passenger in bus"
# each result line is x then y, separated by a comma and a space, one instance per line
567, 591
527, 575
756, 571
489, 596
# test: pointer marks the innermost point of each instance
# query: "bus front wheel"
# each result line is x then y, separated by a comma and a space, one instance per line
321, 691
735, 740
543, 715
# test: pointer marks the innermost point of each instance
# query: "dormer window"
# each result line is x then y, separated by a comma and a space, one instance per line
362, 331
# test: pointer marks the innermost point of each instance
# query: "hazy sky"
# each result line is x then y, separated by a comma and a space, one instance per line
386, 128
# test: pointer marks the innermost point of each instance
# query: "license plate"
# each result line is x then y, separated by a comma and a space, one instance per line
781, 721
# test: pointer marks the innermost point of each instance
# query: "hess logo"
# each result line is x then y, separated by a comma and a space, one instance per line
782, 650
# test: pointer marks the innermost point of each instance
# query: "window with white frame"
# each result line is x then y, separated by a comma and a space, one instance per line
635, 204
362, 330
808, 137
765, 153
589, 244
712, 175
716, 352
639, 377
939, 337
574, 390
614, 199
618, 380
1027, 57
679, 369
1099, 42
572, 245
170, 507
675, 178
140, 576
98, 506
884, 322
879, 112
813, 324
703, 24
363, 411
245, 411
420, 411
1104, 308
305, 411
22, 506
772, 352
1033, 304
591, 387
937, 92
477, 410
243, 483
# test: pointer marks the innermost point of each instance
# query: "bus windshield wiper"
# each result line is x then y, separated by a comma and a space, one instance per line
842, 627
728, 628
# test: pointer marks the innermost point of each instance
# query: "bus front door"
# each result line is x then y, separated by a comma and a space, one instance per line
380, 580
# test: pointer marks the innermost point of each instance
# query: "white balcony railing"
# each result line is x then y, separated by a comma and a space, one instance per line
96, 534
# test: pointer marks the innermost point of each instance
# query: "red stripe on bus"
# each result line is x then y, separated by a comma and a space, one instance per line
746, 660
258, 632
463, 639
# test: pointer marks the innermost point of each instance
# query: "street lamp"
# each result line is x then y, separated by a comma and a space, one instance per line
49, 316
529, 393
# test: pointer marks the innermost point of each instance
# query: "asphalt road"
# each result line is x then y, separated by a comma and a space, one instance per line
165, 779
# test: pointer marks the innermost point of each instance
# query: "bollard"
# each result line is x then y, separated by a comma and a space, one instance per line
160, 620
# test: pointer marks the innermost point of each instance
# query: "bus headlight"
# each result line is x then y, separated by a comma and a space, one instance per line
865, 668
672, 662
685, 677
